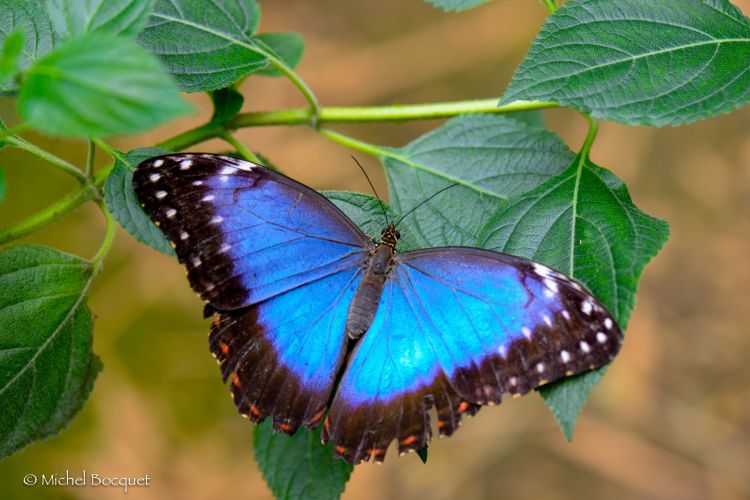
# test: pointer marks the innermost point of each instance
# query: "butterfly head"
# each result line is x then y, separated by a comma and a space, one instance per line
389, 236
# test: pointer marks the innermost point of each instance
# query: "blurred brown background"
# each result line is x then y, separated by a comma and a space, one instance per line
671, 418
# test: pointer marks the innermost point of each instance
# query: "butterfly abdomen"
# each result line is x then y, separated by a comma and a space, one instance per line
366, 299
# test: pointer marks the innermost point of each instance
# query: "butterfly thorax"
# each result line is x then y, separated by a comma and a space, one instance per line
367, 297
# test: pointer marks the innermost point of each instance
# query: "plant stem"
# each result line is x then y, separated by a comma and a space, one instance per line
353, 143
551, 5
53, 160
5, 132
90, 151
588, 142
49, 215
241, 148
109, 238
115, 154
314, 108
364, 114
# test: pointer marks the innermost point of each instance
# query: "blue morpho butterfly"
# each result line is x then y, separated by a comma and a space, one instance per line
312, 315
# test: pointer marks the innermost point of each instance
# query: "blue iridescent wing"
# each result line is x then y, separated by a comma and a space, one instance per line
276, 261
455, 329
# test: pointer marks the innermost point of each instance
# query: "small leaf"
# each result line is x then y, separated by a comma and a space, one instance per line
205, 45
116, 17
640, 62
422, 453
39, 38
456, 5
124, 205
490, 157
95, 85
11, 49
583, 223
47, 367
299, 467
365, 211
288, 47
227, 103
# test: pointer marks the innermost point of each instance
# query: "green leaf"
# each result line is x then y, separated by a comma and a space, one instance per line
11, 49
47, 367
116, 17
299, 467
490, 157
422, 453
39, 38
456, 5
205, 45
365, 211
227, 103
124, 205
583, 223
639, 61
96, 85
288, 47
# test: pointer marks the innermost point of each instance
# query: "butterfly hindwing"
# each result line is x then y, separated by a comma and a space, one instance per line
455, 329
244, 232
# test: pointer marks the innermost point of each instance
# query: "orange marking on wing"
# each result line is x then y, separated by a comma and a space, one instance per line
318, 416
224, 348
285, 427
254, 410
235, 379
325, 425
216, 320
408, 441
441, 424
463, 407
377, 452
340, 450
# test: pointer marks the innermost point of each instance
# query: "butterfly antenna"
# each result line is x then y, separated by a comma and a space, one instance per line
382, 207
425, 201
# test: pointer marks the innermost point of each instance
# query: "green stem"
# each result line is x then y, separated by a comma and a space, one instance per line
551, 5
109, 238
5, 132
353, 143
53, 160
314, 106
241, 148
90, 151
115, 154
588, 142
49, 215
363, 114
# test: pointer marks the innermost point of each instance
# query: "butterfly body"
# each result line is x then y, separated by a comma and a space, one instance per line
316, 324
367, 297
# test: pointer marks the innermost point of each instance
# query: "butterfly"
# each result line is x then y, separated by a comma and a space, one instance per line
314, 322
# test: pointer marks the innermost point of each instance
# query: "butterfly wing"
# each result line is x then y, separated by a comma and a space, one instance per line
277, 261
455, 329
244, 232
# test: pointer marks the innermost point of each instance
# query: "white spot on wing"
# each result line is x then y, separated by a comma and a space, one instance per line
547, 320
196, 261
216, 219
154, 177
158, 163
513, 381
503, 351
608, 323
586, 307
224, 178
208, 197
184, 235
540, 367
171, 212
565, 356
197, 183
585, 347
566, 314
228, 171
526, 332
541, 270
186, 164
224, 248
160, 194
601, 337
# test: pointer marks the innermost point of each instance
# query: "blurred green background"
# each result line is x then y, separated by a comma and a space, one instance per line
671, 418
